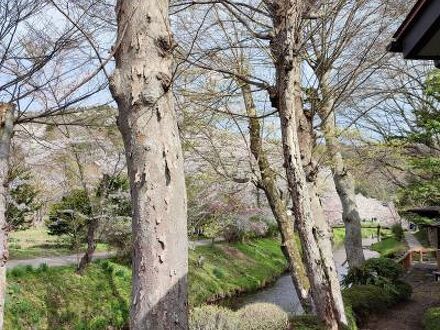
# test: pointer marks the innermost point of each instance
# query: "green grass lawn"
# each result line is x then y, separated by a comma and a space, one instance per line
36, 242
57, 298
389, 247
339, 233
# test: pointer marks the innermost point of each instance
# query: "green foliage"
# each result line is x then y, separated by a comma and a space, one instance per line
70, 216
397, 231
339, 233
306, 322
431, 319
423, 186
262, 316
370, 299
374, 287
389, 247
54, 298
110, 201
23, 202
57, 298
381, 272
366, 300
232, 268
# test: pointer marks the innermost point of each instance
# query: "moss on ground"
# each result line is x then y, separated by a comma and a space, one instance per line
57, 298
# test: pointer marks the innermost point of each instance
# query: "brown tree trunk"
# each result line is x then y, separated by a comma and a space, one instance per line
343, 181
91, 245
287, 16
277, 204
93, 224
6, 131
141, 85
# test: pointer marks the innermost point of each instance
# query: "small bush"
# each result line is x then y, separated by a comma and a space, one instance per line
431, 319
397, 231
261, 316
376, 271
402, 291
212, 318
366, 300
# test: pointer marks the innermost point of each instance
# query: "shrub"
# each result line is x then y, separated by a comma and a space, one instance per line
262, 316
397, 231
431, 319
376, 271
366, 300
212, 318
370, 299
402, 291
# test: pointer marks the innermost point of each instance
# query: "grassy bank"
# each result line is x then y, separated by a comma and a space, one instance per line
57, 298
339, 233
389, 247
36, 242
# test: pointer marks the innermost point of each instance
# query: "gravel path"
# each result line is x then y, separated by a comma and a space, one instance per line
75, 258
55, 261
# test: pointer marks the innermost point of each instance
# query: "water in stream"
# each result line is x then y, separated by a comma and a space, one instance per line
283, 294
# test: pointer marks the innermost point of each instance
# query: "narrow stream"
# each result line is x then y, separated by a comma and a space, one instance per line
283, 294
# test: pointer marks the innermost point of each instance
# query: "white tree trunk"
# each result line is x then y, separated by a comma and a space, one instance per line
277, 204
6, 131
141, 85
344, 186
287, 17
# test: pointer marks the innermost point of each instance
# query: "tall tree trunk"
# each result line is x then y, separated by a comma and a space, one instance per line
307, 143
6, 131
141, 85
287, 16
268, 184
343, 180
93, 224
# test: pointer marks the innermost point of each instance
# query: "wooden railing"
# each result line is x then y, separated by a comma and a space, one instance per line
406, 260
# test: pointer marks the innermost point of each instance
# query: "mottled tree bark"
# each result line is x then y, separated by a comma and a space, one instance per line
268, 184
141, 85
342, 178
6, 131
307, 143
287, 17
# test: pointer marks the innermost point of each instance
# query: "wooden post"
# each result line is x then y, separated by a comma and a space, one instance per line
438, 259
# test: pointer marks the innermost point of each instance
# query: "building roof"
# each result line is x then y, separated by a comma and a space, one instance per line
418, 37
426, 211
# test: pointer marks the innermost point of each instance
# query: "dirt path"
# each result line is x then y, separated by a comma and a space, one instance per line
409, 315
55, 261
74, 258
